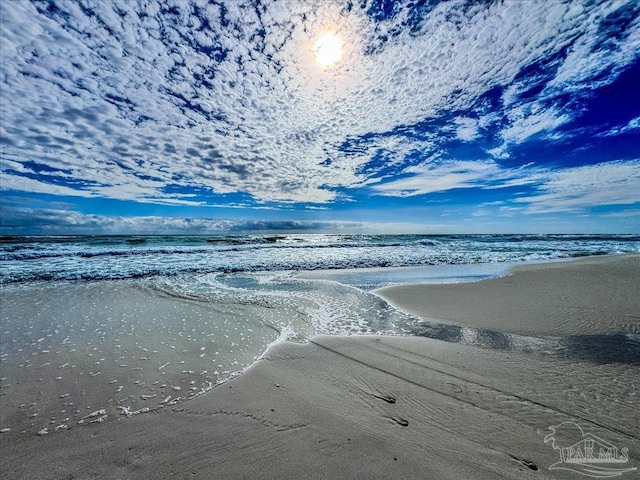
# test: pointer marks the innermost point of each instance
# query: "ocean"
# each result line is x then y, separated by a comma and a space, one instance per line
96, 328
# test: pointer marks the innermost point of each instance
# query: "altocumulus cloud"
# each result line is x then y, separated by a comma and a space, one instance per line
154, 101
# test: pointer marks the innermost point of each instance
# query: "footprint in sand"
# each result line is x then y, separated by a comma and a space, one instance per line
386, 398
527, 463
400, 421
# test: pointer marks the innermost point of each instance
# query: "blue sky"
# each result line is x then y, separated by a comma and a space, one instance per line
216, 116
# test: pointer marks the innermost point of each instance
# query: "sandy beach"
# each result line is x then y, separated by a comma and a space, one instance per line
588, 296
319, 239
399, 407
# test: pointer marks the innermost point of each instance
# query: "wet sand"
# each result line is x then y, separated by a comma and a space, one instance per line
389, 407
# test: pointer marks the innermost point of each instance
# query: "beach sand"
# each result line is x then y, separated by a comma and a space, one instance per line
393, 407
588, 296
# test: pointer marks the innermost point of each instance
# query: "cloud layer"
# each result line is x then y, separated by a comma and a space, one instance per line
178, 103
18, 217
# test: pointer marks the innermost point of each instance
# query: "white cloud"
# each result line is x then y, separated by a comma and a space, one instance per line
467, 129
127, 100
574, 189
631, 126
560, 190
439, 177
590, 56
15, 182
593, 58
526, 123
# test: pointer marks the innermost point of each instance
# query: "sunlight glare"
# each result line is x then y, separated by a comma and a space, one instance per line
328, 49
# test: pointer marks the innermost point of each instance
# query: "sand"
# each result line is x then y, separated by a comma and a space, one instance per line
588, 296
389, 407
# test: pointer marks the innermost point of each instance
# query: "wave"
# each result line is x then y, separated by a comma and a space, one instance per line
110, 274
120, 257
106, 253
236, 244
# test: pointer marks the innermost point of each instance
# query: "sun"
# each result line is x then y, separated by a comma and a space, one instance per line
328, 49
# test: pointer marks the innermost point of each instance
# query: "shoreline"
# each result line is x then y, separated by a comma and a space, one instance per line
590, 295
372, 407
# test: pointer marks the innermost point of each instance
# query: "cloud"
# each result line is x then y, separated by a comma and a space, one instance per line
607, 42
121, 100
632, 126
525, 123
439, 177
574, 189
16, 218
467, 129
550, 190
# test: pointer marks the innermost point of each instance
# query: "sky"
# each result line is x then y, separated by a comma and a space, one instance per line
354, 116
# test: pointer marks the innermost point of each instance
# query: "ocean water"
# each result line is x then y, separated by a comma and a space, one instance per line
98, 328
24, 259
